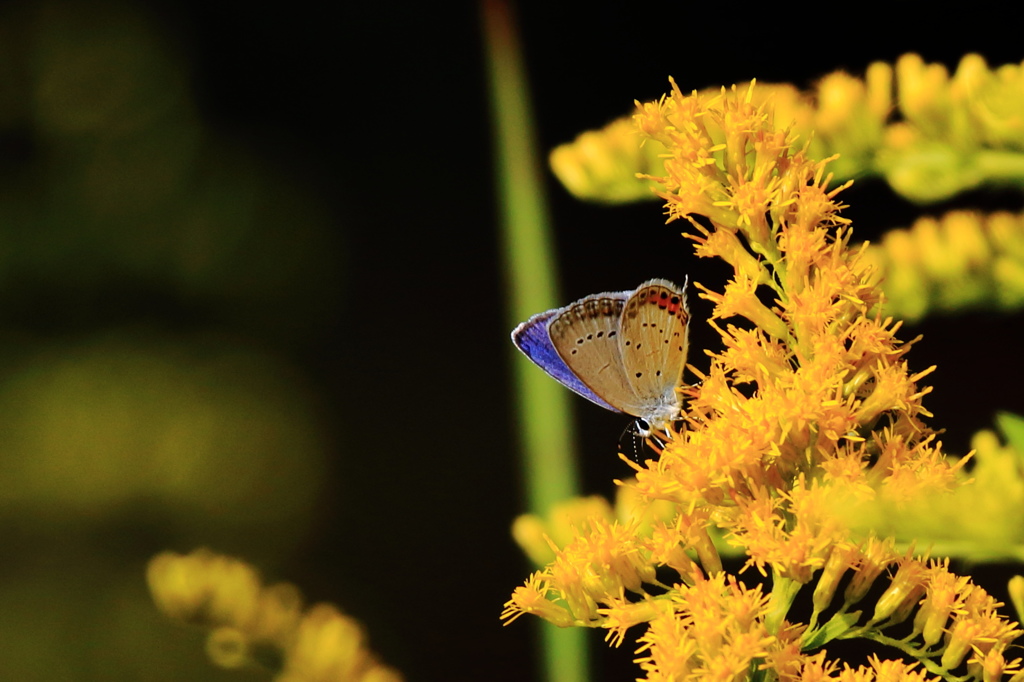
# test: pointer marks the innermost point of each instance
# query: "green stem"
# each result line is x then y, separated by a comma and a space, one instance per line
784, 591
547, 437
930, 665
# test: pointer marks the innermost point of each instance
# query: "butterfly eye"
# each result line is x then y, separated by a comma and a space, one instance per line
643, 427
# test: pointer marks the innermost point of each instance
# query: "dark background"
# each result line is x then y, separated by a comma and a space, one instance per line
408, 159
378, 112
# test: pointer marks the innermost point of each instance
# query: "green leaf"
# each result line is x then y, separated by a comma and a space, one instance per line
756, 673
839, 625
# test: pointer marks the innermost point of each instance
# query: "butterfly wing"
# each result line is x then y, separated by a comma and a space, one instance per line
654, 344
533, 339
586, 337
624, 351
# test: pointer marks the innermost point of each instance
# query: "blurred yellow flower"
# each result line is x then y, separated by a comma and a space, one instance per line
227, 596
928, 133
959, 260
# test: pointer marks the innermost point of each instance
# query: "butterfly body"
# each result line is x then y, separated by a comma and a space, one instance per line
622, 350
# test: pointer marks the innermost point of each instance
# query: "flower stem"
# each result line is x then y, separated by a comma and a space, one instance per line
547, 437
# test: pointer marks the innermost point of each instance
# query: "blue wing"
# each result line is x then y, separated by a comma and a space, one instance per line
532, 338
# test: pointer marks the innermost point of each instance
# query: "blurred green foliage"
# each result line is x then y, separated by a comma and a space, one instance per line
158, 283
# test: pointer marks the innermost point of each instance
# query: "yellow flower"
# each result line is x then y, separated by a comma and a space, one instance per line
883, 671
807, 417
928, 133
227, 596
602, 165
740, 298
714, 628
533, 597
208, 588
841, 558
669, 545
622, 614
904, 592
976, 627
944, 595
794, 550
960, 260
536, 535
991, 665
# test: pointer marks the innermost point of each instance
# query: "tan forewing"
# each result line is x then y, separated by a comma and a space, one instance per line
586, 336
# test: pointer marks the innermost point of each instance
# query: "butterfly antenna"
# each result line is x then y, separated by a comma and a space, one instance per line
632, 435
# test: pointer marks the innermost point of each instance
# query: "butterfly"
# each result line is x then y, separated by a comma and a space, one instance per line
623, 350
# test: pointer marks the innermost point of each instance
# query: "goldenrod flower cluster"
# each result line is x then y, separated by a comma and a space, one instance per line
963, 259
929, 133
807, 413
982, 521
255, 625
